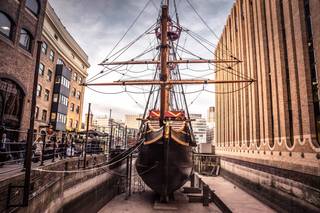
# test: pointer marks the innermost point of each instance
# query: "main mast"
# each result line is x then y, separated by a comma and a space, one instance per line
165, 72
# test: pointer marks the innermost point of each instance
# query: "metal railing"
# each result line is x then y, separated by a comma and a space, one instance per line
206, 164
12, 153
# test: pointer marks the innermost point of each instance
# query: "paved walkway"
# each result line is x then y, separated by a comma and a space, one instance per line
143, 203
235, 198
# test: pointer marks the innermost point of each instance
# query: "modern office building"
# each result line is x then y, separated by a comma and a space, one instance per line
211, 116
101, 123
211, 125
62, 69
268, 134
20, 28
132, 122
199, 126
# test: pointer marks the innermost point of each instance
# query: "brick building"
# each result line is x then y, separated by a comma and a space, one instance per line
62, 69
268, 133
20, 29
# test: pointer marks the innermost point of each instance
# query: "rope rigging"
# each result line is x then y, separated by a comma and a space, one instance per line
178, 71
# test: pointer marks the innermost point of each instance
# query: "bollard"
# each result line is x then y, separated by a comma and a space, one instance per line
43, 152
192, 180
54, 151
206, 193
127, 182
64, 147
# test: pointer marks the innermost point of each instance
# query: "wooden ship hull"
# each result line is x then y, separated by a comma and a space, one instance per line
165, 159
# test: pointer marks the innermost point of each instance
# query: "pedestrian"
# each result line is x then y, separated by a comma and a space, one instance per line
60, 149
3, 155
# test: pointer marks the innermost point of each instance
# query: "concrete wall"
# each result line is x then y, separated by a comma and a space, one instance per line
283, 190
51, 191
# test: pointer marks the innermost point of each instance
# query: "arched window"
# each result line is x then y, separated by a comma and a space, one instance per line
33, 6
25, 39
5, 25
11, 103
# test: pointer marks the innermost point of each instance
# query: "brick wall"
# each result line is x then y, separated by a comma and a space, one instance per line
16, 63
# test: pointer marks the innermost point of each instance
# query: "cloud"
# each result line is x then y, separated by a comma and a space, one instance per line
98, 24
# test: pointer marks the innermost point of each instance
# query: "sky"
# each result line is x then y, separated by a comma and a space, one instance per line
97, 25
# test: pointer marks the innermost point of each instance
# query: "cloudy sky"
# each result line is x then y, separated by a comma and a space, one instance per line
97, 25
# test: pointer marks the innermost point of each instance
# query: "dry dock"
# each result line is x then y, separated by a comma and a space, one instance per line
144, 203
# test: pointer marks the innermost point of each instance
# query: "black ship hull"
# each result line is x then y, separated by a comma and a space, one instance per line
165, 164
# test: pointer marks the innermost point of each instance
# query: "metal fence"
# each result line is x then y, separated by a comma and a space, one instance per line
206, 164
44, 148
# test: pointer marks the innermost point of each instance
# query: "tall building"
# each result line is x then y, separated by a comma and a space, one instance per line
20, 28
101, 124
199, 126
268, 133
211, 122
211, 116
132, 122
62, 69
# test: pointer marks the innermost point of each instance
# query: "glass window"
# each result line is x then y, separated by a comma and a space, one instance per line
73, 92
46, 95
44, 115
36, 115
53, 116
80, 80
33, 6
60, 61
78, 109
70, 122
75, 76
39, 90
44, 48
63, 100
78, 95
72, 107
65, 82
25, 39
11, 105
5, 25
49, 76
55, 97
61, 118
51, 56
58, 79
76, 124
41, 69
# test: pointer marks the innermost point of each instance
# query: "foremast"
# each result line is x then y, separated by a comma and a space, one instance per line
165, 73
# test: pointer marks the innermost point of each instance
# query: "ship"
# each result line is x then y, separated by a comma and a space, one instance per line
165, 156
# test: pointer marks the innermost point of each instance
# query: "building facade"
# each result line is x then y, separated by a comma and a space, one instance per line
132, 122
268, 133
211, 124
20, 28
62, 69
199, 126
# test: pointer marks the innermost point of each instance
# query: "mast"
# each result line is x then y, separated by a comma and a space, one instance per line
164, 102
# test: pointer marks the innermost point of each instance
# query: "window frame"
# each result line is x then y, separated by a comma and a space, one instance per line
51, 55
39, 90
44, 47
36, 13
41, 71
28, 46
44, 113
36, 112
11, 25
49, 77
46, 95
